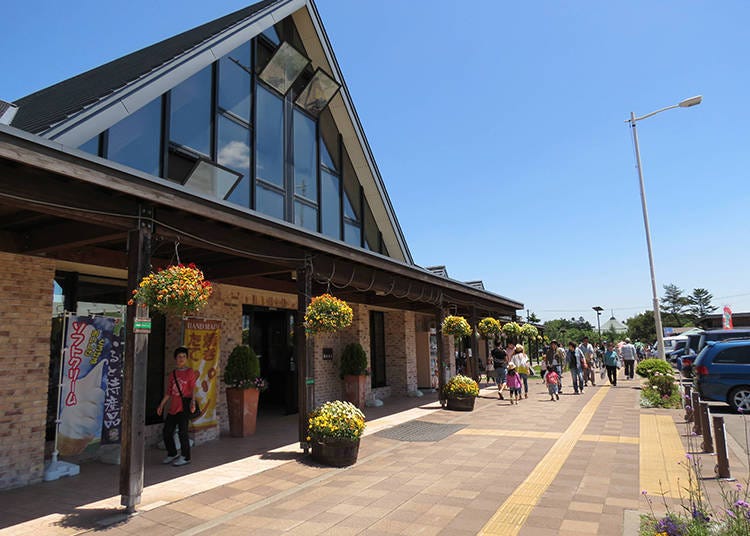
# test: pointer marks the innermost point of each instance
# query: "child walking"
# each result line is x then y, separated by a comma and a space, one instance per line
514, 383
552, 379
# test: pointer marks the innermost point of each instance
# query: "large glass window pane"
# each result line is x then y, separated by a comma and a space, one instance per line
372, 233
190, 118
234, 82
306, 216
233, 151
91, 146
329, 141
270, 138
269, 202
305, 158
352, 234
136, 140
330, 205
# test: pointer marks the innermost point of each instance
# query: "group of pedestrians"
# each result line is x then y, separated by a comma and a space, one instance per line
513, 367
512, 371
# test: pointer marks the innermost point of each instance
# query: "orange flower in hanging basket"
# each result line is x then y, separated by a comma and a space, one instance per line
176, 290
327, 314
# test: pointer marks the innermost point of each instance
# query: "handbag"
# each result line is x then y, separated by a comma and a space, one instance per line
186, 401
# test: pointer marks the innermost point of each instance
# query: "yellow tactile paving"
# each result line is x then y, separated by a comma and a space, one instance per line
662, 457
509, 433
609, 439
546, 435
514, 512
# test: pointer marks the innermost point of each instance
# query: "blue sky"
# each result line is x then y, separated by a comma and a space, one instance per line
498, 128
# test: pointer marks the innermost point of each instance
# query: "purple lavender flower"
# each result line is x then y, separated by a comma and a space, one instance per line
644, 492
742, 504
731, 514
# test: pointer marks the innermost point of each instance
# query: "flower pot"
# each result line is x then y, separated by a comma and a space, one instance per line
354, 389
242, 406
461, 403
335, 452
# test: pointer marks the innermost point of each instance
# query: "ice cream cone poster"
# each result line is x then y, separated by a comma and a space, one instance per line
88, 344
202, 340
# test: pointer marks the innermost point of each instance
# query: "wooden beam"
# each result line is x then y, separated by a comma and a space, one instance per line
70, 235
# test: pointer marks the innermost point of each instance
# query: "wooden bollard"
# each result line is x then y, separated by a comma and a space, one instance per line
697, 429
722, 458
688, 402
708, 441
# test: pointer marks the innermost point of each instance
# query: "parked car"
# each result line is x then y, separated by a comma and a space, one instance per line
675, 356
722, 373
696, 342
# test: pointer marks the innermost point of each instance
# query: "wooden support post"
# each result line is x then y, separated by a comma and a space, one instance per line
474, 345
135, 364
697, 428
722, 457
303, 355
708, 441
439, 313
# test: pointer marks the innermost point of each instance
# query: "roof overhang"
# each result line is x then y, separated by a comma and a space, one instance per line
80, 208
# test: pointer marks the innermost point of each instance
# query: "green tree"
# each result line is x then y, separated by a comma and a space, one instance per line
532, 318
642, 327
700, 303
565, 330
674, 304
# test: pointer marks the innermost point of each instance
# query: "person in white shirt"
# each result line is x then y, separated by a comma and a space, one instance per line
629, 355
588, 352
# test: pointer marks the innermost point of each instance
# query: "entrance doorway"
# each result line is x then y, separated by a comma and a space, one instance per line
270, 333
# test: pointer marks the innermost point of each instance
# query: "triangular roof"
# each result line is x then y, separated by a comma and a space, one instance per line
614, 324
73, 111
47, 107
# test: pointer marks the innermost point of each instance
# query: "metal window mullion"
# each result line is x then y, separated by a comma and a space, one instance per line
166, 103
288, 157
340, 142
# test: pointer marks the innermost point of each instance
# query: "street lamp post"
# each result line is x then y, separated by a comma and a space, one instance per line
598, 325
693, 101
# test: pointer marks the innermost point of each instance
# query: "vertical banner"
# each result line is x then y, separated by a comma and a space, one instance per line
202, 340
86, 352
113, 386
726, 318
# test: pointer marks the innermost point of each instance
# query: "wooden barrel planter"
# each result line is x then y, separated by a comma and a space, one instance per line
461, 403
335, 452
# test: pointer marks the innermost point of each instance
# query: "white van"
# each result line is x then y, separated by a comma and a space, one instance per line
670, 342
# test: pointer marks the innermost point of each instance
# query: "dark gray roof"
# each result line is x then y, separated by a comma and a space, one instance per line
476, 284
438, 270
49, 106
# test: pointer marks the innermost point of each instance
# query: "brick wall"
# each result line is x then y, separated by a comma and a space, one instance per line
226, 305
400, 352
26, 311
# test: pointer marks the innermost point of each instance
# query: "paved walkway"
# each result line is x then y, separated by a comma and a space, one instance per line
573, 466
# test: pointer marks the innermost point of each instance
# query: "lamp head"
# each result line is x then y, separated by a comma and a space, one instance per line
692, 101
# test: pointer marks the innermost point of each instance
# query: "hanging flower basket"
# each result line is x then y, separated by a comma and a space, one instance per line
327, 314
511, 329
529, 332
176, 290
457, 326
488, 327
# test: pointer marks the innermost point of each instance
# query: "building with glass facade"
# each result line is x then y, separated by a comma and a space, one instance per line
235, 146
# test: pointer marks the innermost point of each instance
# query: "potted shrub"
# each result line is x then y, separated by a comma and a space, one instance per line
461, 392
244, 384
176, 290
334, 430
353, 370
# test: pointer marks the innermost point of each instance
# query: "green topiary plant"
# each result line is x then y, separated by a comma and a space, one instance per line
243, 369
353, 361
648, 367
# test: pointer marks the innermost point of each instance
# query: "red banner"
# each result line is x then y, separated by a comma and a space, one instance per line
726, 321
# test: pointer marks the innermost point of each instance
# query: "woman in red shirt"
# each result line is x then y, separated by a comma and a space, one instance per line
176, 415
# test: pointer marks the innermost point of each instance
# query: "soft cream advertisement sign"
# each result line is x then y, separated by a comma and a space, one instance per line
202, 340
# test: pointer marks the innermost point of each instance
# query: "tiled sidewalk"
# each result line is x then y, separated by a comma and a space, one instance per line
538, 468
